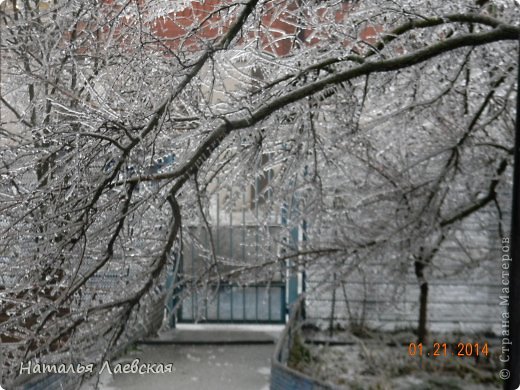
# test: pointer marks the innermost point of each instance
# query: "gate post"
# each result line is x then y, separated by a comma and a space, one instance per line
292, 277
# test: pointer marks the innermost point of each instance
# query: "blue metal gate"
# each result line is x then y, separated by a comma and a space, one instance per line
243, 225
237, 304
258, 301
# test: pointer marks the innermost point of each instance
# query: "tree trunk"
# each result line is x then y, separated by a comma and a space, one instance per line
422, 331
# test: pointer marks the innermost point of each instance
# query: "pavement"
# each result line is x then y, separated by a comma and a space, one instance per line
213, 357
218, 334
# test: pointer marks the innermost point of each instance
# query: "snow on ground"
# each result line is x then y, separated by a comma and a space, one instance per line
197, 367
371, 363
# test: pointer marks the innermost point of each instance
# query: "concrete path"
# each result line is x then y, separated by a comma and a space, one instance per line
208, 357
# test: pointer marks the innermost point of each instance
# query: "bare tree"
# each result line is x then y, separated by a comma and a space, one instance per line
387, 122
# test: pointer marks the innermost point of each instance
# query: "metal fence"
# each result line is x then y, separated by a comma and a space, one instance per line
284, 377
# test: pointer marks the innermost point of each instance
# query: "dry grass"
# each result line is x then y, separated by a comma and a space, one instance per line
381, 361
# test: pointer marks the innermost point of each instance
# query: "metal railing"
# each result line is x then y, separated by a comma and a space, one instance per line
284, 377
